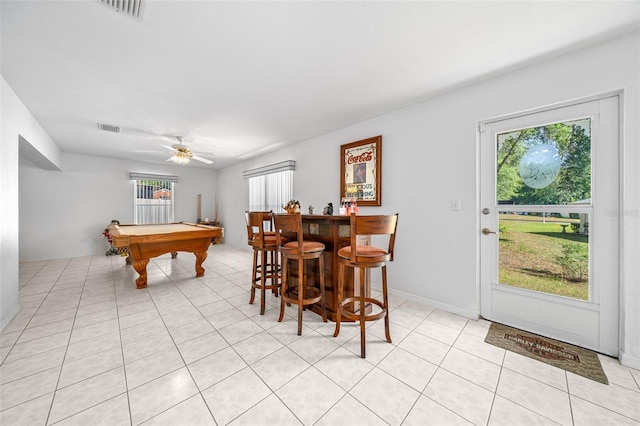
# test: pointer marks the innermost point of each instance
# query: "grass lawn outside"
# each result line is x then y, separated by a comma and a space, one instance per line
538, 256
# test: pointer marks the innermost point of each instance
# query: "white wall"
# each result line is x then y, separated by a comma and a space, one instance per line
17, 127
63, 213
429, 158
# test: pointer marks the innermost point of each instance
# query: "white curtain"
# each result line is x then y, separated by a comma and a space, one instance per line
270, 191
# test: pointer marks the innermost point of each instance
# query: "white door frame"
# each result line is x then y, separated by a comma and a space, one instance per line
602, 310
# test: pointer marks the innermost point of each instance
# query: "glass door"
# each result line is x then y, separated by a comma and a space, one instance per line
548, 242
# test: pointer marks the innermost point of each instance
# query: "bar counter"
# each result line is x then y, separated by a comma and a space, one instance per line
334, 232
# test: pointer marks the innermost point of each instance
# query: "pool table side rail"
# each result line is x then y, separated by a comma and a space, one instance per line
123, 239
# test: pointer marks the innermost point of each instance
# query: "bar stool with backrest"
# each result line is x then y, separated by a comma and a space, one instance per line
302, 294
364, 258
262, 239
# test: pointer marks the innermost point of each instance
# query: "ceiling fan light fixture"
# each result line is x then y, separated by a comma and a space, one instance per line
180, 158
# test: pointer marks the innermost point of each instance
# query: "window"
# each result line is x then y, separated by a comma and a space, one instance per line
153, 197
270, 187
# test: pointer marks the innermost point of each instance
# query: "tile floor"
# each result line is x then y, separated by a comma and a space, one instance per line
87, 348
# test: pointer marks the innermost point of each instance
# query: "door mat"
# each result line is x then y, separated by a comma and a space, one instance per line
553, 352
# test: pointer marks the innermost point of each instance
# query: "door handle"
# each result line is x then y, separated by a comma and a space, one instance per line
485, 231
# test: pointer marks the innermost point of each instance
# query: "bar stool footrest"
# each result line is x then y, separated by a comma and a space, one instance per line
354, 316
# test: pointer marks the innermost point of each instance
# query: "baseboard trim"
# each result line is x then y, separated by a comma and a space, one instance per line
473, 314
629, 360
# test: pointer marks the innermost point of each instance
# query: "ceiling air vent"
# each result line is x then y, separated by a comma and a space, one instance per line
109, 128
133, 8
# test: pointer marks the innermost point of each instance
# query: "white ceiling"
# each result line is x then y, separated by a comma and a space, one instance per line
240, 78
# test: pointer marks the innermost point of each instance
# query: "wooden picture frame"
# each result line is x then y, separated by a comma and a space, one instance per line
361, 171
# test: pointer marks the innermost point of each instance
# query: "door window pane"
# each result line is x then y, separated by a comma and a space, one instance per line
546, 252
545, 165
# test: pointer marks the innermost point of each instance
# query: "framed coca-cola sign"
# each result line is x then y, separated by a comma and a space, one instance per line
361, 171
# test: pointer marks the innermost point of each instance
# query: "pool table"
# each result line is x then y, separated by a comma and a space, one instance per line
147, 241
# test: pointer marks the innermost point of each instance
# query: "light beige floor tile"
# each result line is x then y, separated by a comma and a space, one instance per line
313, 347
191, 330
280, 367
405, 319
198, 348
540, 371
225, 317
171, 313
446, 318
618, 374
90, 366
139, 318
8, 339
48, 318
32, 412
464, 398
92, 346
95, 318
415, 308
385, 395
38, 346
536, 396
375, 330
153, 366
309, 403
376, 349
141, 331
216, 367
470, 367
408, 368
586, 413
193, 411
425, 347
428, 412
437, 331
344, 368
161, 394
87, 393
93, 330
271, 411
476, 345
507, 413
257, 347
112, 412
348, 411
46, 330
28, 388
234, 395
239, 331
147, 346
24, 367
613, 397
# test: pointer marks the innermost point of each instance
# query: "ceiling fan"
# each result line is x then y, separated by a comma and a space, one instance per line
182, 155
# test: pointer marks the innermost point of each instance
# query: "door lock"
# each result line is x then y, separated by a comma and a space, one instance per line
486, 231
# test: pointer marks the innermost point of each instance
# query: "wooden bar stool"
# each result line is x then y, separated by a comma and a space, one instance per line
261, 237
303, 294
365, 258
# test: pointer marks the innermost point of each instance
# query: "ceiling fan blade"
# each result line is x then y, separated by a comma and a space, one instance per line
204, 160
169, 148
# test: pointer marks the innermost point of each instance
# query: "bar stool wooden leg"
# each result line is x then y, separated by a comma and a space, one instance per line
254, 277
362, 309
339, 310
283, 289
263, 273
385, 300
301, 281
324, 295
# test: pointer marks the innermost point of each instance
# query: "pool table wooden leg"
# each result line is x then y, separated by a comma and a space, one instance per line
141, 268
200, 257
